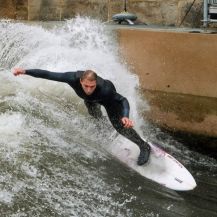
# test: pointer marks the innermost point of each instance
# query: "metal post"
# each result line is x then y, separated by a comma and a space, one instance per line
205, 13
109, 10
125, 5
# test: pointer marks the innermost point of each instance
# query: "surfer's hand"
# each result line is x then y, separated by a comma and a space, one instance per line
127, 122
18, 71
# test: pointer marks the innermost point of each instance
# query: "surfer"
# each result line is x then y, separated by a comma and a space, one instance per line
97, 91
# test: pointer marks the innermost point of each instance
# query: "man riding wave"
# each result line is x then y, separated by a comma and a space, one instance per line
96, 91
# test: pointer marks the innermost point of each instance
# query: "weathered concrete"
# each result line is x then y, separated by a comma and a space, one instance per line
177, 73
7, 9
14, 9
181, 112
172, 61
62, 9
170, 12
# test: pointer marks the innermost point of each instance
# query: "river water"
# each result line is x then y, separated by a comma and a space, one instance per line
53, 155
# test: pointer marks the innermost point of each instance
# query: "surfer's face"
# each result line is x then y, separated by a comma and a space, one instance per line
88, 86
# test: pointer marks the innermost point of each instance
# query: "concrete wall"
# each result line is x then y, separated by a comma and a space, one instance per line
169, 12
163, 12
178, 76
14, 9
171, 61
63, 9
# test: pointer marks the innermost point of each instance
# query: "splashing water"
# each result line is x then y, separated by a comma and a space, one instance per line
53, 159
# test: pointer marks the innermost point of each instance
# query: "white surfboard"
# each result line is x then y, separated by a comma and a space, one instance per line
161, 167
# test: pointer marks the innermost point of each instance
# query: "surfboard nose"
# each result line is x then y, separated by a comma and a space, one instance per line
187, 184
191, 184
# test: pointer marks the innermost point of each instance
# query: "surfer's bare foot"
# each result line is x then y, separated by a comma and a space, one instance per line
144, 155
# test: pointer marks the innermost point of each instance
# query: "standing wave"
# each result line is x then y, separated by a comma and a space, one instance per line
52, 156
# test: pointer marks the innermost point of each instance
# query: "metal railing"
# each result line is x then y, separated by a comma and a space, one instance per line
209, 7
212, 2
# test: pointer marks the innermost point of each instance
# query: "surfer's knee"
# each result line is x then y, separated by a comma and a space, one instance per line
97, 113
94, 109
118, 126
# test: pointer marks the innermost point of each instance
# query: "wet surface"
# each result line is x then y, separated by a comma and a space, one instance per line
194, 115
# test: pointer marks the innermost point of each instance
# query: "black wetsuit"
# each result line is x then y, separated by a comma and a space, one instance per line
105, 94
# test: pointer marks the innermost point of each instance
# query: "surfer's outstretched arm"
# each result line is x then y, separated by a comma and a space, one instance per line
38, 73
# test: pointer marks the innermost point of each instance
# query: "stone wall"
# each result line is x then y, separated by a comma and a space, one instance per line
63, 9
162, 12
14, 9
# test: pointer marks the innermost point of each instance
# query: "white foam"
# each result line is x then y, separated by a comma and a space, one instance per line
6, 196
29, 169
11, 125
